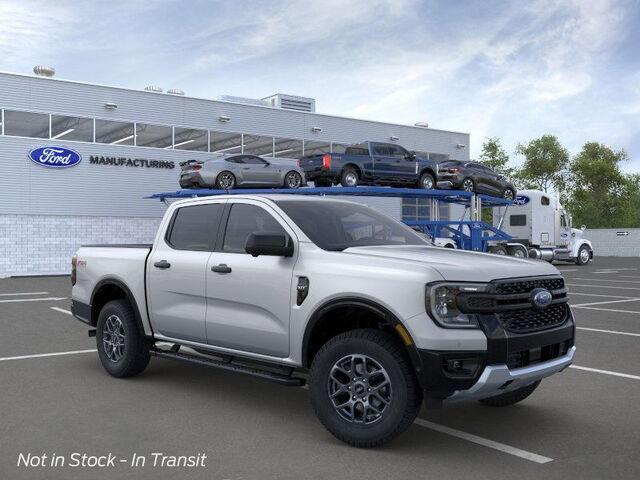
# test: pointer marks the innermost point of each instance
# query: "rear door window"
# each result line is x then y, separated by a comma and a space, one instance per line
195, 228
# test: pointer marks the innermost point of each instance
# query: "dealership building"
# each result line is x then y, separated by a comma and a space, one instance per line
127, 144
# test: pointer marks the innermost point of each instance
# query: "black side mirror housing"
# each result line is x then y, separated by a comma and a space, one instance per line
411, 155
273, 244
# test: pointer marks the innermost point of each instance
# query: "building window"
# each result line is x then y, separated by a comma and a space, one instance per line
157, 136
287, 148
257, 145
190, 139
316, 148
114, 133
71, 128
222, 142
26, 124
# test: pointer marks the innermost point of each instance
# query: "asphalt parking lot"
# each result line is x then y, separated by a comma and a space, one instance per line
56, 398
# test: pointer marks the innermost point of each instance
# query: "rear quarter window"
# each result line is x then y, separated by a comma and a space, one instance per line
195, 228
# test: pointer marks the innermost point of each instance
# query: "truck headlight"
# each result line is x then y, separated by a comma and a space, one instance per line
442, 305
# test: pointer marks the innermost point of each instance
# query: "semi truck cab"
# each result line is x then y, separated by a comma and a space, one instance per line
538, 221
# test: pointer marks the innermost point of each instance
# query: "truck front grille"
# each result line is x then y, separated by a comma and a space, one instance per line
532, 319
525, 286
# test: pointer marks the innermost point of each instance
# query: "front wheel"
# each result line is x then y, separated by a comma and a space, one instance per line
293, 180
427, 182
122, 348
363, 389
584, 255
508, 194
511, 398
468, 185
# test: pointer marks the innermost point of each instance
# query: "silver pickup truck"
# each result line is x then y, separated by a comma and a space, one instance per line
294, 289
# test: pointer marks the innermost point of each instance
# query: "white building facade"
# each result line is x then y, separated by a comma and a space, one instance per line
127, 144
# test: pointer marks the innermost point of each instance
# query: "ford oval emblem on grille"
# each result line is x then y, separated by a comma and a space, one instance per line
541, 297
55, 157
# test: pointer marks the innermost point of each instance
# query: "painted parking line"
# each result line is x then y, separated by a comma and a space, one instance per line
533, 457
606, 302
608, 309
602, 286
47, 299
606, 280
608, 331
598, 295
61, 310
568, 269
22, 293
606, 372
43, 355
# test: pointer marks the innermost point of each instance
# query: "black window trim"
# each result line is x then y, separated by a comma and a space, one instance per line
213, 237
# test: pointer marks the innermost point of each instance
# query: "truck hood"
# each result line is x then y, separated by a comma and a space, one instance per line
459, 265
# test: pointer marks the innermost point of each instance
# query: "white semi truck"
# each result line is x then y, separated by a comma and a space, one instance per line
539, 222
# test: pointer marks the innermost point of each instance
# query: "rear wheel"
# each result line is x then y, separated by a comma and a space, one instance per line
293, 180
584, 255
427, 182
498, 250
508, 193
518, 251
226, 180
468, 185
511, 398
122, 348
363, 388
349, 177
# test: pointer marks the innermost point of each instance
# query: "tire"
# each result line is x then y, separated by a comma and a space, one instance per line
293, 180
508, 194
133, 356
518, 252
349, 177
225, 180
499, 250
584, 255
427, 182
468, 185
389, 362
510, 398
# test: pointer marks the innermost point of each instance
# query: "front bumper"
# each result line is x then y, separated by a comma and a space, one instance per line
499, 379
509, 362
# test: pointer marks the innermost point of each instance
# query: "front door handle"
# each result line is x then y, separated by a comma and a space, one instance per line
162, 264
222, 268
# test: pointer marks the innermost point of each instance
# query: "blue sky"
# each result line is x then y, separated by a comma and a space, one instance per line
514, 69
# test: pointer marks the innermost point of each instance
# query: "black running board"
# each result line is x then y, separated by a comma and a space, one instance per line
275, 377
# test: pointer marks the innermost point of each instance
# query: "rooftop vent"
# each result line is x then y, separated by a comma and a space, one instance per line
292, 102
153, 88
175, 91
44, 71
422, 124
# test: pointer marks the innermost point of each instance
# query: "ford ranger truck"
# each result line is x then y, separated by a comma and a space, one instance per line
371, 163
293, 289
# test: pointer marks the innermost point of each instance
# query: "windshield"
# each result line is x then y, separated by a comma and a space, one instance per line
339, 225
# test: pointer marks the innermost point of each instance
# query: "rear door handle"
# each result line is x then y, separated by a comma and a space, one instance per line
162, 264
222, 268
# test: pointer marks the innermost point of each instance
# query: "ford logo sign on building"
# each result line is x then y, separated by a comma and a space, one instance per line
55, 157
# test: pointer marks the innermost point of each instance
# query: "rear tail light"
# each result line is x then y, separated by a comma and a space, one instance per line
326, 161
74, 265
197, 166
298, 162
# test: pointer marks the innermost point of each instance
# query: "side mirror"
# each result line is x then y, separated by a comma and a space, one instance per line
273, 244
410, 156
583, 227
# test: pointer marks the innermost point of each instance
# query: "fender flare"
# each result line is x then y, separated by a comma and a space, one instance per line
129, 296
389, 319
580, 243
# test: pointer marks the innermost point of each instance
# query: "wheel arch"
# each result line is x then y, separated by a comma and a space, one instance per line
109, 289
327, 322
355, 166
429, 170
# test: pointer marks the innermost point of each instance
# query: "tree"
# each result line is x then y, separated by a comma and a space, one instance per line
601, 195
545, 164
494, 156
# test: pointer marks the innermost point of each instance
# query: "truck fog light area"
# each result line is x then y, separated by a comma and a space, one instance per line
462, 367
442, 305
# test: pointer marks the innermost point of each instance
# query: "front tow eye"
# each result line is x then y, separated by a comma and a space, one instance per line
303, 290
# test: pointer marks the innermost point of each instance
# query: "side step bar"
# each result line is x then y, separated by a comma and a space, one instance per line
276, 377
